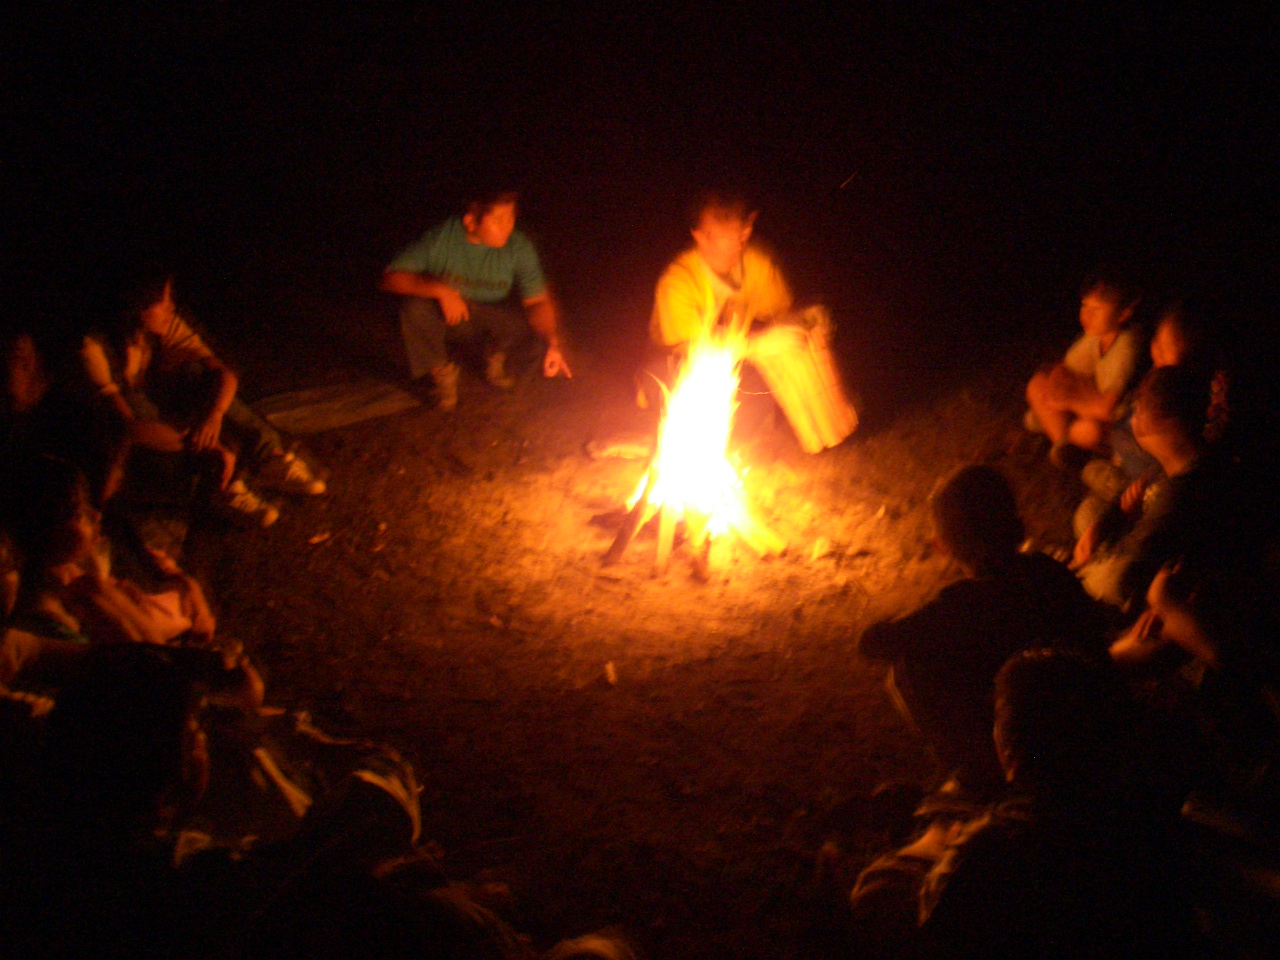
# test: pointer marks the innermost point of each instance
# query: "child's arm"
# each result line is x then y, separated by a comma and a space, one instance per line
204, 435
1078, 394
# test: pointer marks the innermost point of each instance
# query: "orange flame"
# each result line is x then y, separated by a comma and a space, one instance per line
692, 472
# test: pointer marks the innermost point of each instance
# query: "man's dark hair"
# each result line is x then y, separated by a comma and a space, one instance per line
480, 202
722, 204
1177, 394
976, 514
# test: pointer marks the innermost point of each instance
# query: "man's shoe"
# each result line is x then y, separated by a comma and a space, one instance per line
495, 371
446, 380
286, 472
241, 505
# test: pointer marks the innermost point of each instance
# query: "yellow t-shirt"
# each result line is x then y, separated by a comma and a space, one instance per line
691, 298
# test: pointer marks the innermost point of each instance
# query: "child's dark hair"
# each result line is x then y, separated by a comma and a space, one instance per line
1179, 394
1193, 329
117, 740
977, 516
480, 202
1113, 287
1061, 716
722, 204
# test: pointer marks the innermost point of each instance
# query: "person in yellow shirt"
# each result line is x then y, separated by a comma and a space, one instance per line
724, 283
721, 279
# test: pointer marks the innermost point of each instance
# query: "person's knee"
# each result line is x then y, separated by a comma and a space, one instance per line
1036, 388
417, 311
1086, 433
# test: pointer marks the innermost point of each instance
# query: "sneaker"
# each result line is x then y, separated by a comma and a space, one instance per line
241, 505
286, 472
495, 371
446, 381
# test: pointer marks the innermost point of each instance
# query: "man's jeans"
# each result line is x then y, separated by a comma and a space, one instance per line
426, 335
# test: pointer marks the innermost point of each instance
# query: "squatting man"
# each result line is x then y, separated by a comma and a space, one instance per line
455, 281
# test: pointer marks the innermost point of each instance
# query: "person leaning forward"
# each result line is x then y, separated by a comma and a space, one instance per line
455, 281
726, 283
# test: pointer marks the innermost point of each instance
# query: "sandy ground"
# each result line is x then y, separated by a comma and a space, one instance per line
621, 748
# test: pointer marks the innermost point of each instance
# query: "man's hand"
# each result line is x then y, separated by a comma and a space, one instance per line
452, 306
204, 436
553, 364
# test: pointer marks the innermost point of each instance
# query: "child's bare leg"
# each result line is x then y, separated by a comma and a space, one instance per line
1087, 434
1053, 419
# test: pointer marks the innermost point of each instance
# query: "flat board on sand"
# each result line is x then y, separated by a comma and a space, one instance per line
340, 405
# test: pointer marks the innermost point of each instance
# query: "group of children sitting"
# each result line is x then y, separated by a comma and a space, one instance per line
151, 804
1101, 732
103, 425
1107, 743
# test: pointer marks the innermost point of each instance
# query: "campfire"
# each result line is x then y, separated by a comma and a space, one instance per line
690, 478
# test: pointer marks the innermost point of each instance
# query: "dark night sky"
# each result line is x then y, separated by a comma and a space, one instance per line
985, 147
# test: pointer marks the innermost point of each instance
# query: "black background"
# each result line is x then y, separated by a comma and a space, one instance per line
941, 174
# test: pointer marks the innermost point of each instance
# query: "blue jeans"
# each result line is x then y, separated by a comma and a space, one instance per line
427, 336
183, 396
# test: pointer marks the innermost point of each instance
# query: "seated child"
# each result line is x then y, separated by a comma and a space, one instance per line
103, 860
1181, 339
66, 590
179, 398
1206, 643
1074, 402
946, 654
1187, 514
1080, 860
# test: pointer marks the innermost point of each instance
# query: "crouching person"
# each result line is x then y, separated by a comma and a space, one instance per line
455, 281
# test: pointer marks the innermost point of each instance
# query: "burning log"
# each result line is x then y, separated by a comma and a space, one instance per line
639, 514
